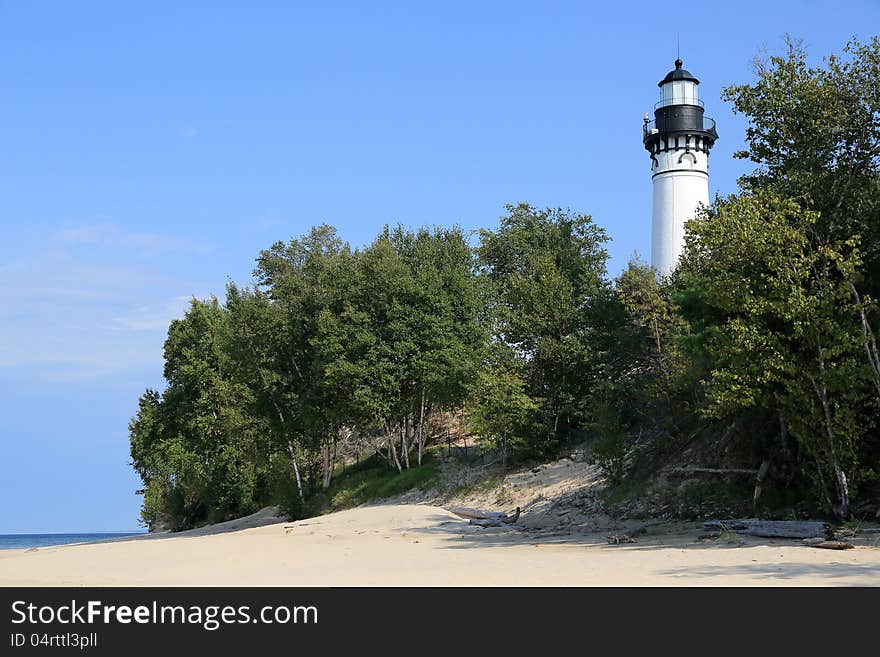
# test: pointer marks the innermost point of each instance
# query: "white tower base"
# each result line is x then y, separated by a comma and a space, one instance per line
681, 185
677, 196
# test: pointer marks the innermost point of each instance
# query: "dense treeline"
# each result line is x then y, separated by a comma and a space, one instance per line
764, 337
761, 344
329, 346
782, 281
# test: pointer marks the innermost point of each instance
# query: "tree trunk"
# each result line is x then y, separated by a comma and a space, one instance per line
329, 456
281, 419
759, 481
485, 518
391, 447
299, 485
843, 490
404, 440
657, 335
421, 426
842, 511
325, 456
783, 434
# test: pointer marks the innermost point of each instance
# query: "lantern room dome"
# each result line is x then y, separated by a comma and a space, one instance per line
678, 74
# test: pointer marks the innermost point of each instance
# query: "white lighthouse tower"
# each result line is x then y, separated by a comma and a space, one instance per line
678, 140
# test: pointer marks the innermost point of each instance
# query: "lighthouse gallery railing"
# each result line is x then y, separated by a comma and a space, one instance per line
650, 127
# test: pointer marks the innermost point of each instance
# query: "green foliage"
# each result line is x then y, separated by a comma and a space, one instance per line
419, 299
656, 324
545, 274
196, 446
262, 390
786, 336
763, 340
773, 277
500, 408
609, 453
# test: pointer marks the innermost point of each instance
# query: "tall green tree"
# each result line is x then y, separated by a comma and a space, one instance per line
546, 270
814, 132
500, 408
783, 336
197, 447
445, 308
307, 281
415, 310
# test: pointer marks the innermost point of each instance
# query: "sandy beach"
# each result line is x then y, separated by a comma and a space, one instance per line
426, 545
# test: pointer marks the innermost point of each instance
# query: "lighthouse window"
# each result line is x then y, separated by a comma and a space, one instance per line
679, 92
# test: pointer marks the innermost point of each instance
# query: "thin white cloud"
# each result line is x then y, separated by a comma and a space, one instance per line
154, 317
111, 235
188, 132
83, 305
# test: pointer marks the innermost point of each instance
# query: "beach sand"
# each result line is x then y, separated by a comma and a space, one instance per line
426, 545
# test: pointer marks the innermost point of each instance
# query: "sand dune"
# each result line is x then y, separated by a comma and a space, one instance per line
426, 545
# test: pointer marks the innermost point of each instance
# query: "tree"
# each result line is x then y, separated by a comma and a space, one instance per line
410, 338
657, 327
267, 363
500, 408
444, 310
197, 446
307, 282
814, 133
546, 270
783, 337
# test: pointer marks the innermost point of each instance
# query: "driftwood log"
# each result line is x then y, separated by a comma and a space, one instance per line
502, 519
687, 472
828, 545
466, 513
628, 537
485, 518
772, 528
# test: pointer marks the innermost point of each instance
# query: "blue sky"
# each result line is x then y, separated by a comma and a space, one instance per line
149, 150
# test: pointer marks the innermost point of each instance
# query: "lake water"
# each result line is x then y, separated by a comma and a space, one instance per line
24, 541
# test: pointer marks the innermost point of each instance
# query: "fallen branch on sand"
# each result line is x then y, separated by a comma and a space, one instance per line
617, 539
773, 528
828, 545
713, 471
484, 518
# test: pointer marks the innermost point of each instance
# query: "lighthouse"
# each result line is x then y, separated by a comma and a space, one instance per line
678, 141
